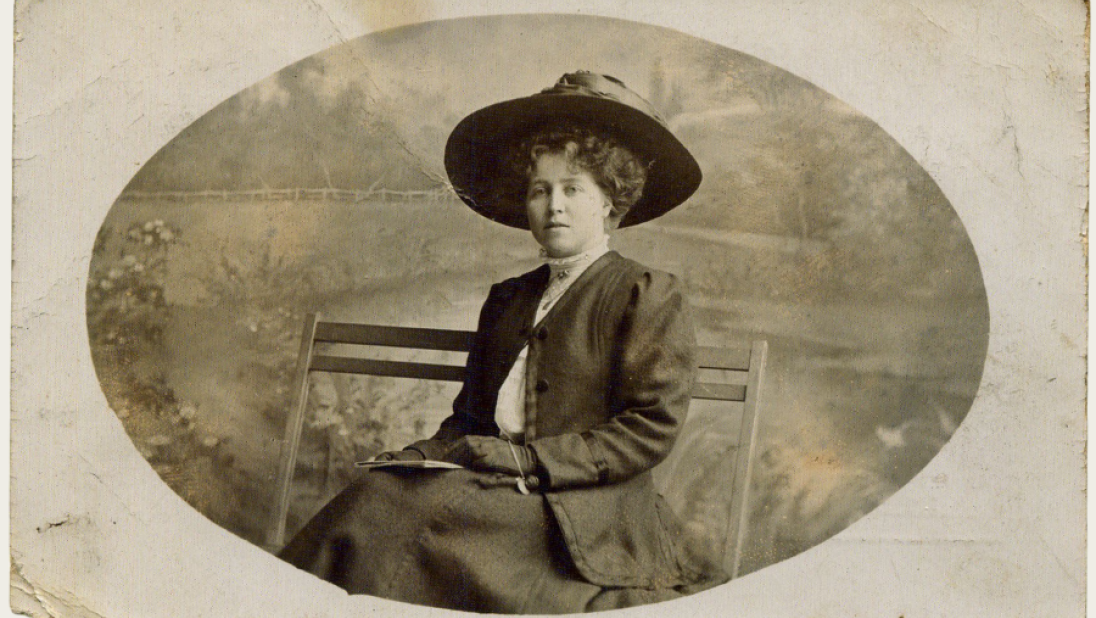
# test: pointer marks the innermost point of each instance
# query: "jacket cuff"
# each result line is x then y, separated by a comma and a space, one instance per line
565, 461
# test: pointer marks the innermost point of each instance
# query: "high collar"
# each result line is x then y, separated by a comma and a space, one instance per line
573, 263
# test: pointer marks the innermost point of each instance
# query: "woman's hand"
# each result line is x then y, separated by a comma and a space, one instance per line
406, 454
487, 454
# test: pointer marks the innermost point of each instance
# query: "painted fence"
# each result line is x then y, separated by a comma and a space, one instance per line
437, 194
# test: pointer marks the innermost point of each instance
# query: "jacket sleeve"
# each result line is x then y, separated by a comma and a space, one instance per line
466, 419
653, 370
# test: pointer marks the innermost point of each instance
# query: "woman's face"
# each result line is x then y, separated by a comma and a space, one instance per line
566, 208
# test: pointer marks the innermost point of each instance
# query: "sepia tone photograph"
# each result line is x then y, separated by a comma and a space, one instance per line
619, 317
323, 190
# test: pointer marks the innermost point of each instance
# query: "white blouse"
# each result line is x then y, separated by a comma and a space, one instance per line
510, 408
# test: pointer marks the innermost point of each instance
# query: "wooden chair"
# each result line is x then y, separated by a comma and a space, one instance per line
727, 374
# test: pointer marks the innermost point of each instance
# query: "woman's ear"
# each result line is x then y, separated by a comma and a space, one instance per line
611, 221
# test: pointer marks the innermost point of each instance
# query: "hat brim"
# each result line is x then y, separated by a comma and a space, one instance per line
477, 152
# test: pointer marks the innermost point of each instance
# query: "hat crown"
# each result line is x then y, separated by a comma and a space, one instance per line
590, 84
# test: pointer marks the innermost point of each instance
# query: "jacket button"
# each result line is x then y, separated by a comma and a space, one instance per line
542, 333
542, 385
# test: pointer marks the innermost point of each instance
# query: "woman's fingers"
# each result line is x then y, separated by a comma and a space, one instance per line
459, 453
475, 452
498, 479
488, 454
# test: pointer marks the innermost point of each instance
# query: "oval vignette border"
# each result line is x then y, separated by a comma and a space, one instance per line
223, 239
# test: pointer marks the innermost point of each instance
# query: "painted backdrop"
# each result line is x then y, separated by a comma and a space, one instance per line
321, 188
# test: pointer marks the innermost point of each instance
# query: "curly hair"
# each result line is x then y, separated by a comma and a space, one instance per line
615, 169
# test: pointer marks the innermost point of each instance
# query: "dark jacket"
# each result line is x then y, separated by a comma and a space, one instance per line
609, 373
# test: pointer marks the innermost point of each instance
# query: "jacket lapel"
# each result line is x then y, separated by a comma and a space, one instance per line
517, 321
576, 288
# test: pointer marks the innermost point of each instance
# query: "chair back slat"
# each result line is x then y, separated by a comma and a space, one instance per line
394, 336
737, 359
719, 392
387, 368
726, 374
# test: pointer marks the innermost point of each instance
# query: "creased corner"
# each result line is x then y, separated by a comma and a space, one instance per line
24, 597
32, 600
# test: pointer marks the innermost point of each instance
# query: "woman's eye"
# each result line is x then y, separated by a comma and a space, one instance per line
571, 190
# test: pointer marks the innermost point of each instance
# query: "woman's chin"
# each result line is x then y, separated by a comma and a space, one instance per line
561, 248
558, 250
558, 254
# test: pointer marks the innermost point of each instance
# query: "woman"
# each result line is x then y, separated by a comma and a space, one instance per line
577, 385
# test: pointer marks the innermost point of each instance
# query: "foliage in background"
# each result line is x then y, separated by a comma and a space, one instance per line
292, 135
128, 316
127, 311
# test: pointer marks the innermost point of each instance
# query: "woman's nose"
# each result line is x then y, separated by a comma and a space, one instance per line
555, 201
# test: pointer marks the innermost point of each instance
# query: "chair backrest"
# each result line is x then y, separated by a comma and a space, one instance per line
727, 374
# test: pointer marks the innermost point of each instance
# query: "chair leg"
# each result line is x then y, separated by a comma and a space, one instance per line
275, 536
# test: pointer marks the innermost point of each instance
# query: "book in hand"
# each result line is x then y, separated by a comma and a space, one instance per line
417, 464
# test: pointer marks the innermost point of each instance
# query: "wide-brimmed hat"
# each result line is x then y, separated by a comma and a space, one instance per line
478, 150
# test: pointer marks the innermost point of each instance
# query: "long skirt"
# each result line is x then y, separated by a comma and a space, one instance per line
455, 539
